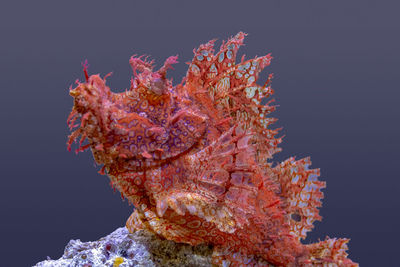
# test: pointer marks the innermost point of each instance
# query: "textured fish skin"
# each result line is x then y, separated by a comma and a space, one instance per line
195, 159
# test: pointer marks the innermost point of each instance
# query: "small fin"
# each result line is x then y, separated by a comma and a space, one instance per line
301, 189
330, 252
176, 205
135, 222
161, 206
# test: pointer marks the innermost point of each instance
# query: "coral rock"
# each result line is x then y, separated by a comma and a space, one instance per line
123, 249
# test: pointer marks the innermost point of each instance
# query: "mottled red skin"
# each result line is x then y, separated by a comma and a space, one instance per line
194, 160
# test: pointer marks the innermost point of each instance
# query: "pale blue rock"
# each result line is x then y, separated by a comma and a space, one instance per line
138, 249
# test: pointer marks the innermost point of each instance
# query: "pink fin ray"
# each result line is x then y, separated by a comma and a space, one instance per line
301, 189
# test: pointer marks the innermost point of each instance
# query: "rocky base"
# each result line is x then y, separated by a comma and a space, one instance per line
120, 248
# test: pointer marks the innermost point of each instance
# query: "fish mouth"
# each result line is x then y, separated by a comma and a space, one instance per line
74, 93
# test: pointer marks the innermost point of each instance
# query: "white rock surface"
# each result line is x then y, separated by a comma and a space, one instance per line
120, 248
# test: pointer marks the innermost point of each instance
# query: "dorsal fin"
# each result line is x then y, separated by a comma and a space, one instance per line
230, 89
206, 66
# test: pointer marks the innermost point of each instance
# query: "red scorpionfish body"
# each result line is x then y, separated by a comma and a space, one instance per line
194, 160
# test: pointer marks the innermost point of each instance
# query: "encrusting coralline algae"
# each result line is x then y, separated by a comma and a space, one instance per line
124, 249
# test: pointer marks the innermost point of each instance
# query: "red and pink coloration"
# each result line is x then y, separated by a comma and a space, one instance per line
194, 160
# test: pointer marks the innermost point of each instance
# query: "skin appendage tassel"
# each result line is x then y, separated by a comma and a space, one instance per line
194, 159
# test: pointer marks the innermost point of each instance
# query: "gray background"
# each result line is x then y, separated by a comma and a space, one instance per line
336, 66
